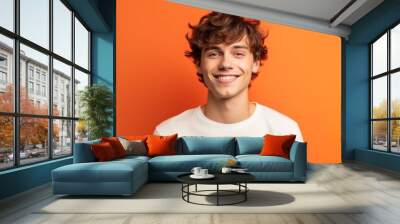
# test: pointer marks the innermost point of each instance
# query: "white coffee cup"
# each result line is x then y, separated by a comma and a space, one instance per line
196, 170
226, 170
203, 172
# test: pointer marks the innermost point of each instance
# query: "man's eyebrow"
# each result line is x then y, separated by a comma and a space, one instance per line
218, 48
211, 48
240, 47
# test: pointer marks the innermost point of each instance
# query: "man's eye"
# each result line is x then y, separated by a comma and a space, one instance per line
239, 54
212, 54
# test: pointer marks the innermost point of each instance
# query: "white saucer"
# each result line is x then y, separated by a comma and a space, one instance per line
208, 176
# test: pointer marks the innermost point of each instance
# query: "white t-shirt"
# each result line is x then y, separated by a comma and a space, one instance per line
263, 121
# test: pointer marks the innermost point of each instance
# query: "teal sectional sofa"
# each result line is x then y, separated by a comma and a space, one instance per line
125, 176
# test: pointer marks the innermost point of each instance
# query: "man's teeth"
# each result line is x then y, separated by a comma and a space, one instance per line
226, 78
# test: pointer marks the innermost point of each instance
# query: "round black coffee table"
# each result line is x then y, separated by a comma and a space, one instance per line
239, 179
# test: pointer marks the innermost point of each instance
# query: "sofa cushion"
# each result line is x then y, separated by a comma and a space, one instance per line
249, 145
103, 151
277, 145
116, 145
134, 147
161, 145
133, 158
257, 163
111, 171
135, 137
195, 145
185, 163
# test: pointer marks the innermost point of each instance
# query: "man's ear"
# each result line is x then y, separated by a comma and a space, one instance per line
256, 66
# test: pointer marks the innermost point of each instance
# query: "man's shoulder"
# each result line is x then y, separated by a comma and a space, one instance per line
178, 119
274, 115
280, 123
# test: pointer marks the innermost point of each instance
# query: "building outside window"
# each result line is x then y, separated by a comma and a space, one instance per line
3, 72
43, 90
30, 87
37, 75
3, 78
55, 94
3, 60
38, 89
30, 72
43, 77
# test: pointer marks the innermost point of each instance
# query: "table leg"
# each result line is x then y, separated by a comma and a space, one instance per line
188, 189
196, 188
217, 194
245, 193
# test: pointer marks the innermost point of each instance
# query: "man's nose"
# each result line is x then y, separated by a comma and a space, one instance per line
225, 63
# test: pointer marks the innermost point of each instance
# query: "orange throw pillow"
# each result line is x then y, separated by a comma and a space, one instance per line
275, 145
135, 137
103, 151
161, 145
116, 145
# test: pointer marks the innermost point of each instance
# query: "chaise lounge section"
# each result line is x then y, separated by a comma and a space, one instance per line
88, 177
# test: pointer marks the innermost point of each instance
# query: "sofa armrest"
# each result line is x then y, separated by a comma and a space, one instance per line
83, 152
298, 155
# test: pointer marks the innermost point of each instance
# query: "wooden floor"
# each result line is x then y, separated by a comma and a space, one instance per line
377, 188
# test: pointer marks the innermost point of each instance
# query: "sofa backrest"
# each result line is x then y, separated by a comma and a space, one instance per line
192, 145
249, 145
83, 152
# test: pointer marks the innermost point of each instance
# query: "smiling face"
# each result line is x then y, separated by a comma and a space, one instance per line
227, 68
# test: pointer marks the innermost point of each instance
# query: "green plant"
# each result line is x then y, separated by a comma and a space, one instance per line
96, 102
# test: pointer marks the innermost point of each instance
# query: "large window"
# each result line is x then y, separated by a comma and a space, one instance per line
44, 65
385, 91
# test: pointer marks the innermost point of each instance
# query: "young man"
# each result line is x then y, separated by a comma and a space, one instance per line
227, 51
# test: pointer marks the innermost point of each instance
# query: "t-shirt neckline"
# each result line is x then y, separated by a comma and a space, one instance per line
199, 113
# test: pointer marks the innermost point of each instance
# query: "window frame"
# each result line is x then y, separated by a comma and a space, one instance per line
5, 59
388, 74
16, 115
3, 70
3, 77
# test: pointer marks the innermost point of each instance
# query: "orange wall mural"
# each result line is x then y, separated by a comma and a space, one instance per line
154, 81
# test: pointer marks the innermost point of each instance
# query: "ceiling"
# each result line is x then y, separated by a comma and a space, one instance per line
98, 15
325, 16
